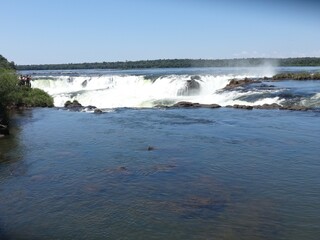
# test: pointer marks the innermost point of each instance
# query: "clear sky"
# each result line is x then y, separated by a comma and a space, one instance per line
75, 31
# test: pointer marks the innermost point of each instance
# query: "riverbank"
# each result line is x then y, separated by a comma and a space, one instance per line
15, 96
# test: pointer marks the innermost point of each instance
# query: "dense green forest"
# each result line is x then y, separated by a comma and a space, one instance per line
177, 63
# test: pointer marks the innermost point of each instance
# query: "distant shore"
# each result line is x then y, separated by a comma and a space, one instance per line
178, 63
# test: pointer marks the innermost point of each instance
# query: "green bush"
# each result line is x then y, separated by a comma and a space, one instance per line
13, 95
8, 84
30, 97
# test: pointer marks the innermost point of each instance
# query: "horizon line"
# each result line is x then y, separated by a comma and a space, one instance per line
171, 59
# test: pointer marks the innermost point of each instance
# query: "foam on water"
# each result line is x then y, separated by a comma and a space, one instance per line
313, 101
137, 91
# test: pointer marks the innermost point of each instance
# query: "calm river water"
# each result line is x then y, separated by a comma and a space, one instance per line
161, 174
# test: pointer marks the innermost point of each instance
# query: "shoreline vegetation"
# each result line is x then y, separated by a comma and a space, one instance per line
178, 63
13, 96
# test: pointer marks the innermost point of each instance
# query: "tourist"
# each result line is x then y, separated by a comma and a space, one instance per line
28, 81
21, 82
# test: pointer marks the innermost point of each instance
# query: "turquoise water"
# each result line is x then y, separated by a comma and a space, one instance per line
209, 174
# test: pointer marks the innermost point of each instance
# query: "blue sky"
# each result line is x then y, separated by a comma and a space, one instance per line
69, 31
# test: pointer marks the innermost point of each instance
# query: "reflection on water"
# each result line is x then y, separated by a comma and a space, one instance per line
210, 174
11, 151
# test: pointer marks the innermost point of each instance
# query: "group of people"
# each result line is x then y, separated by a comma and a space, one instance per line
25, 80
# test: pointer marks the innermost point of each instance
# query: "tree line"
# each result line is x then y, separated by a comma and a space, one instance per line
5, 64
177, 63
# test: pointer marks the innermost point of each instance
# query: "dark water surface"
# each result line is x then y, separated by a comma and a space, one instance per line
209, 174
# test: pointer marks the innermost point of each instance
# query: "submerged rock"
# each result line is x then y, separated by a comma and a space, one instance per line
191, 207
271, 106
156, 169
247, 107
197, 202
150, 148
268, 106
122, 169
295, 108
97, 110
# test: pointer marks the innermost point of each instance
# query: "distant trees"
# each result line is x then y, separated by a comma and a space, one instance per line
176, 63
300, 61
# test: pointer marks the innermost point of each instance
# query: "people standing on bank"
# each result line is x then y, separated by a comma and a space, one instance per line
25, 80
22, 81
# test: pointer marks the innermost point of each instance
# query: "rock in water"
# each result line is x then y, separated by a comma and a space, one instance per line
150, 148
194, 105
73, 104
191, 87
295, 108
186, 105
243, 107
84, 83
268, 106
196, 77
237, 83
210, 105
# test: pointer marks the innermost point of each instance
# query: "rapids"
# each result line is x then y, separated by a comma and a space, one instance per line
107, 89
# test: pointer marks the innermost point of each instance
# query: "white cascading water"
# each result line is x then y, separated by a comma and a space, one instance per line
314, 101
137, 92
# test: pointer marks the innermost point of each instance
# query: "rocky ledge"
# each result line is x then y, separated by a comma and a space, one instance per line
303, 76
295, 108
76, 106
270, 106
234, 83
238, 106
